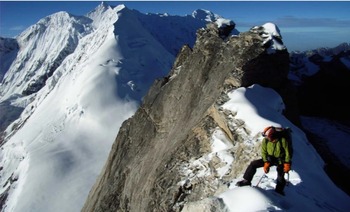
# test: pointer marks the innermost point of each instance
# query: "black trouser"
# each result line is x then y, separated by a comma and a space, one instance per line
251, 170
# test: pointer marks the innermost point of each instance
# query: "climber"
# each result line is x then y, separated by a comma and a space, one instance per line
275, 151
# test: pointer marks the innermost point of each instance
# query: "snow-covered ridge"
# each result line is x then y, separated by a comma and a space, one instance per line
205, 15
165, 30
56, 21
222, 22
104, 14
272, 37
77, 79
42, 49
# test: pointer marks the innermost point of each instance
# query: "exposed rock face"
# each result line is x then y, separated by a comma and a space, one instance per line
144, 171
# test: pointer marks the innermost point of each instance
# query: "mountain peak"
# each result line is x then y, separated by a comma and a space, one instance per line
271, 35
225, 26
62, 15
205, 15
99, 10
103, 6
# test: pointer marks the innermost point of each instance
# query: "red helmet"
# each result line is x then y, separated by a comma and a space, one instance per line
269, 132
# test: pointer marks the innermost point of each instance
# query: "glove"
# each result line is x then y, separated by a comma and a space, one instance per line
286, 167
266, 167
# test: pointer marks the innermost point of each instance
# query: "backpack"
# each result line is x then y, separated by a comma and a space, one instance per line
284, 132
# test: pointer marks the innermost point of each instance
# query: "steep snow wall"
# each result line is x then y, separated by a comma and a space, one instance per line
75, 86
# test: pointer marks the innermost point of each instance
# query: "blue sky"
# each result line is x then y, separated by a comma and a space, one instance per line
303, 24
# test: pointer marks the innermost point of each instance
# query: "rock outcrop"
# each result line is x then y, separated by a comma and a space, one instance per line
146, 167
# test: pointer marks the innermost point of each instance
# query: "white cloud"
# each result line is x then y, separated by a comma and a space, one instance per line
17, 28
292, 21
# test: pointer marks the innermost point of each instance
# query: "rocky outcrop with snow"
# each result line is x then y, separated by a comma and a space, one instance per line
205, 15
272, 37
162, 158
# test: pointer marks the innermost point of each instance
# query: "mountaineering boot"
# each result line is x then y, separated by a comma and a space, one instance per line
279, 189
280, 192
243, 183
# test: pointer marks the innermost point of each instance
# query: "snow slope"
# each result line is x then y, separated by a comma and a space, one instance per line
67, 138
309, 187
76, 85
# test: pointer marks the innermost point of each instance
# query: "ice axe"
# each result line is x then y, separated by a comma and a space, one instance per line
287, 180
260, 180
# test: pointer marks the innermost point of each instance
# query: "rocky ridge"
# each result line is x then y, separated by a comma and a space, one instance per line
148, 167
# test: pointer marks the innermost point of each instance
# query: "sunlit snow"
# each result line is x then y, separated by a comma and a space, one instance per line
309, 187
